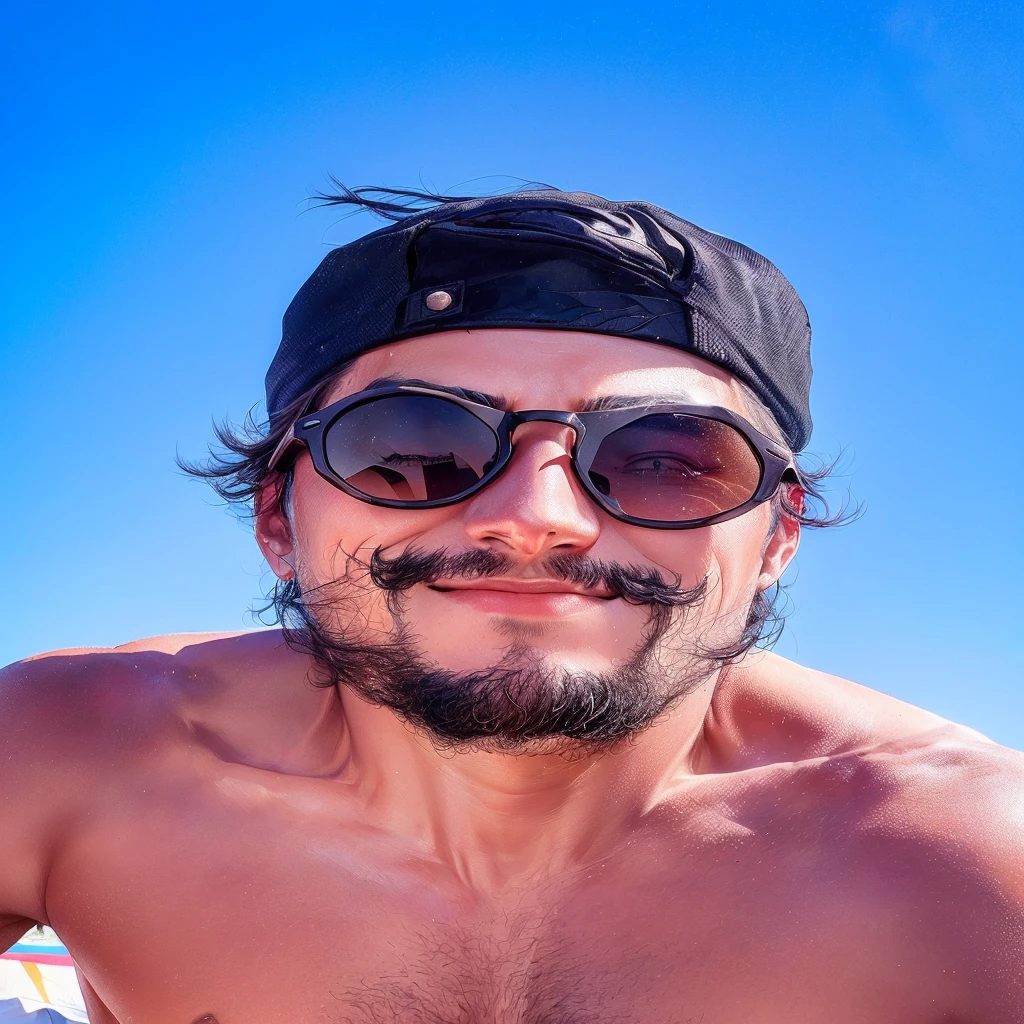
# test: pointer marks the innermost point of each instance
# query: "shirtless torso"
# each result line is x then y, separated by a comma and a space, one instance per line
178, 811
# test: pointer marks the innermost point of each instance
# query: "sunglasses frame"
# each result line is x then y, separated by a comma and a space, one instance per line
591, 428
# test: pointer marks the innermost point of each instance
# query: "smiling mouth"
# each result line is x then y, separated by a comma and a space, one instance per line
521, 586
522, 598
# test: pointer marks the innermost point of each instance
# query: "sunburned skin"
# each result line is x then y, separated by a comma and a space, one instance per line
219, 841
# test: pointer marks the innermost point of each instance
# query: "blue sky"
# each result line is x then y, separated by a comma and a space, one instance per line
157, 164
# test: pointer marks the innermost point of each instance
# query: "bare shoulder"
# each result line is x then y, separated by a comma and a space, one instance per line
916, 823
64, 706
903, 773
769, 709
79, 684
72, 721
81, 699
245, 697
948, 789
944, 812
917, 817
85, 727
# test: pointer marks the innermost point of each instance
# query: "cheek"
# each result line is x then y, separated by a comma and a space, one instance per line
334, 532
334, 536
688, 553
730, 554
328, 527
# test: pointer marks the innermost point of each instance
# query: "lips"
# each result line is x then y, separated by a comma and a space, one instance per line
521, 586
523, 598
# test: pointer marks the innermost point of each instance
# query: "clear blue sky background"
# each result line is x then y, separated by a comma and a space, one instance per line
153, 183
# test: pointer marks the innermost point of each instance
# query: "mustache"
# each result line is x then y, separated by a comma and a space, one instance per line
636, 584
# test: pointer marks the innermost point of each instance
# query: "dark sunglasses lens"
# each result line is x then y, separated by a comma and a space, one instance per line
410, 448
676, 468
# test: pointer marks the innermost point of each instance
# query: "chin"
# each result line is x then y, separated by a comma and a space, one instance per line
521, 650
508, 641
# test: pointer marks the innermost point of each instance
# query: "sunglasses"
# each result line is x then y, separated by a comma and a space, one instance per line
670, 467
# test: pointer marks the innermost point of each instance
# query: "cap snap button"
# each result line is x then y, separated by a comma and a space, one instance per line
438, 301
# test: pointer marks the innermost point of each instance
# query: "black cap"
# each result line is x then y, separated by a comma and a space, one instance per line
555, 260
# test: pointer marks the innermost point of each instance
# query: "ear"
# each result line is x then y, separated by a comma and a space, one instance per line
273, 531
783, 543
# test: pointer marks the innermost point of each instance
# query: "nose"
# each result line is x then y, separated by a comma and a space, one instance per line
536, 505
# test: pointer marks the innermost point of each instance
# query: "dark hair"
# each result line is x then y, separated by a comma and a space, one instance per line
242, 465
241, 468
395, 204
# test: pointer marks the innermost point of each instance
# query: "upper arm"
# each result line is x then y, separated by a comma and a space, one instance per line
68, 721
987, 839
955, 832
36, 770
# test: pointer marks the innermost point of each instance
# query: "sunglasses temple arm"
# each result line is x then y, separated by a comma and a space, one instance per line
282, 449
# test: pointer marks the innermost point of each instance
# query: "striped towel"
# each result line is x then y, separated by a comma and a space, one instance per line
38, 985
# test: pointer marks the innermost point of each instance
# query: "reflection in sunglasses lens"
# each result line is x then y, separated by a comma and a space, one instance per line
410, 448
666, 467
673, 467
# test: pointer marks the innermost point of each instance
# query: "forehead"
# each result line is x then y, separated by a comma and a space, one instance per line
545, 369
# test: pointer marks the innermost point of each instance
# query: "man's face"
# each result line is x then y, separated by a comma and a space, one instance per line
535, 511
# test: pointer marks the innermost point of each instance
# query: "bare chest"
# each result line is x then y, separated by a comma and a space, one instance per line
252, 909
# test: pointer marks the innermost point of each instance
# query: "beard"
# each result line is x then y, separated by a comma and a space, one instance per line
520, 704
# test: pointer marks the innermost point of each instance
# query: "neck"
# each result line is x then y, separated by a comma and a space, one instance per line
500, 819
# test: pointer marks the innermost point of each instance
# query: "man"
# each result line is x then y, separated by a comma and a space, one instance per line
529, 481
